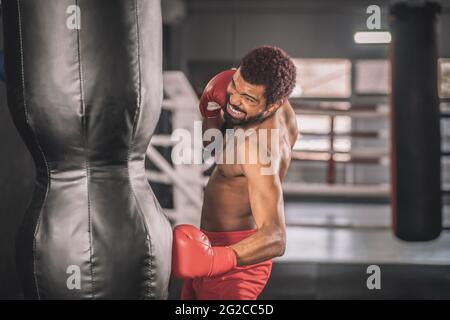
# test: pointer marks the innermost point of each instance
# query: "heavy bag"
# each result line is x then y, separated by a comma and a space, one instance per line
415, 123
85, 91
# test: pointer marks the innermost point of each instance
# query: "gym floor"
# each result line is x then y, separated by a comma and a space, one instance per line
331, 262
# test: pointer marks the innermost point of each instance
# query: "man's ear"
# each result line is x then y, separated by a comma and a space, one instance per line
275, 106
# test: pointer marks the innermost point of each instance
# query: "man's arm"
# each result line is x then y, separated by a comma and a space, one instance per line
266, 200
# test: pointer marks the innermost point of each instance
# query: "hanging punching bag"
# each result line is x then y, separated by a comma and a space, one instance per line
415, 123
84, 90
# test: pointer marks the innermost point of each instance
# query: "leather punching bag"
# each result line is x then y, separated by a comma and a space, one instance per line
85, 90
415, 123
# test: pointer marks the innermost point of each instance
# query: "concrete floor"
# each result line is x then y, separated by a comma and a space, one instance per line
348, 281
355, 233
330, 245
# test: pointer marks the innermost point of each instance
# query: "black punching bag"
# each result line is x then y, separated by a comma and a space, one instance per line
415, 123
85, 90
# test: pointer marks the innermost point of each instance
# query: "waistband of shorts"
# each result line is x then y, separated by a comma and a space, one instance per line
226, 238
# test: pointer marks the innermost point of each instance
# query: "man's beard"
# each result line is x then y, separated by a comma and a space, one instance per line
236, 122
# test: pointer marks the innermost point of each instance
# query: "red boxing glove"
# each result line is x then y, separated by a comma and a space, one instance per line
193, 256
214, 96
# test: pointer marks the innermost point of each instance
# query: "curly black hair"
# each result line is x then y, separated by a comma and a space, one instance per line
271, 67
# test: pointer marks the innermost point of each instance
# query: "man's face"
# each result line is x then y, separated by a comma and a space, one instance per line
246, 102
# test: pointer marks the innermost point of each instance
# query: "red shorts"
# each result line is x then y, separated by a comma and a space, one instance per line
241, 283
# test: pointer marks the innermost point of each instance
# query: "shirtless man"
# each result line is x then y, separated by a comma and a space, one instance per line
242, 223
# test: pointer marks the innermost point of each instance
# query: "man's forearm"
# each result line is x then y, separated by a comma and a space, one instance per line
266, 243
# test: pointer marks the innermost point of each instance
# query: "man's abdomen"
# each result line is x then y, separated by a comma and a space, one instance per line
226, 205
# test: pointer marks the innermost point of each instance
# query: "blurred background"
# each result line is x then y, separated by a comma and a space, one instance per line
337, 191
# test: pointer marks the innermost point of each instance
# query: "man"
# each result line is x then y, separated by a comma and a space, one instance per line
242, 223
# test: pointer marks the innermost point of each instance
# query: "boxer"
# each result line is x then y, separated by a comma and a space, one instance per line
242, 222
